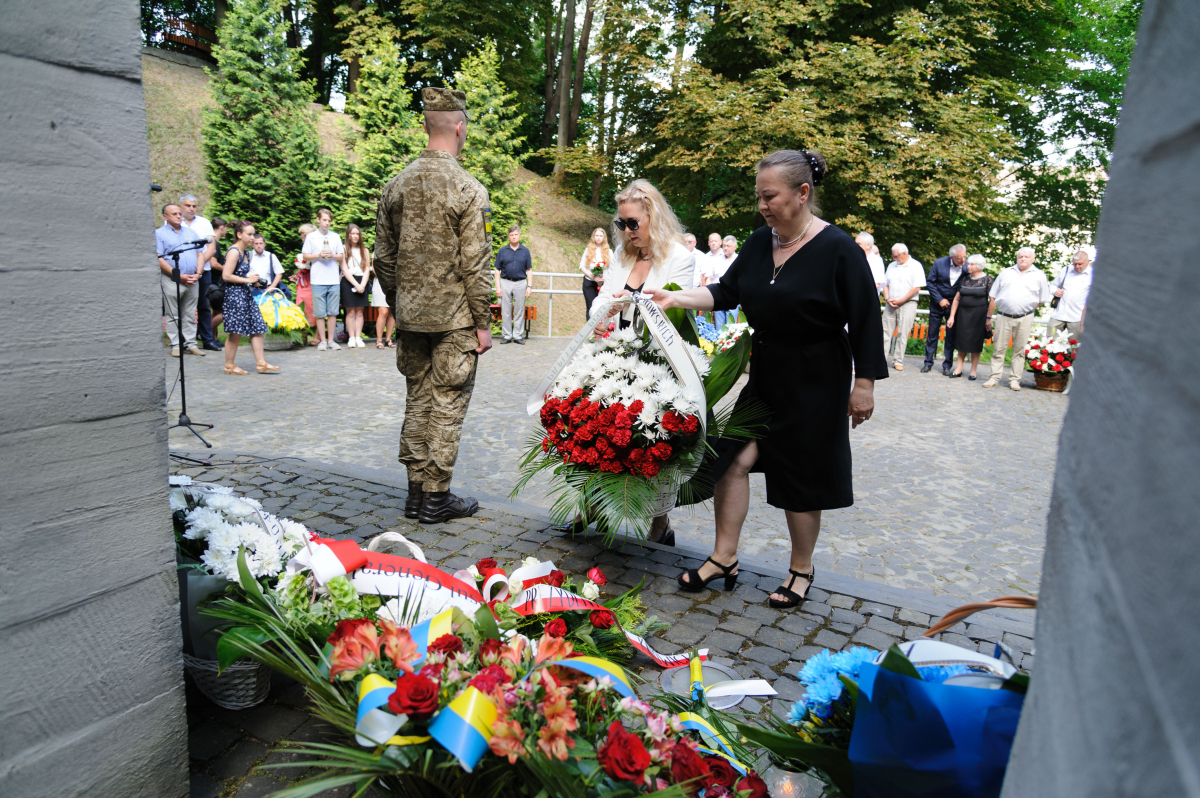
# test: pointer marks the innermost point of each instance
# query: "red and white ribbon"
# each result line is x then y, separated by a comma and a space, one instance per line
328, 558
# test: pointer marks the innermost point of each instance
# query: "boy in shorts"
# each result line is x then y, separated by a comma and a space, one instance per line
324, 253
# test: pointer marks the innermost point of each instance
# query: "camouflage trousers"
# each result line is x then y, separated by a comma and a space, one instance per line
440, 369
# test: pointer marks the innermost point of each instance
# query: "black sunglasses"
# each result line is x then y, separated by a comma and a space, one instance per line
627, 224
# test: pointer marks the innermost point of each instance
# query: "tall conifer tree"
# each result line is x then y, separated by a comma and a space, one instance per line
260, 139
492, 153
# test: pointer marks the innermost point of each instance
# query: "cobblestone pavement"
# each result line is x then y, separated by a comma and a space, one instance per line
229, 748
952, 482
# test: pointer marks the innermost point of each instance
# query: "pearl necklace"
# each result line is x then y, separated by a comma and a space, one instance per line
782, 245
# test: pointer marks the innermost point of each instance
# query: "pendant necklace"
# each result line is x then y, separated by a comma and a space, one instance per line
782, 245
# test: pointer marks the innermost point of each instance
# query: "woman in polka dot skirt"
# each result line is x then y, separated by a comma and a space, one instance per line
241, 313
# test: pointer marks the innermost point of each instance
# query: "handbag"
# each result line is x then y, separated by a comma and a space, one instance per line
1062, 281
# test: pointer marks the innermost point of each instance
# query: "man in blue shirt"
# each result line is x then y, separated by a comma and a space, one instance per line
171, 236
512, 273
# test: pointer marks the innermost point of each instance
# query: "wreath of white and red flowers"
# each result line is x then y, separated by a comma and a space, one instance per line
1051, 355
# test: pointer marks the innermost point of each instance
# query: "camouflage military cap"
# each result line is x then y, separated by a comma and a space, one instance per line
436, 98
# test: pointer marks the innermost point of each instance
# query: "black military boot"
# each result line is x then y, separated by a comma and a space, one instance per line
444, 505
416, 496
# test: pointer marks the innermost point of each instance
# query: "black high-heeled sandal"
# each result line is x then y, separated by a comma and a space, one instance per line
695, 583
665, 539
794, 599
576, 527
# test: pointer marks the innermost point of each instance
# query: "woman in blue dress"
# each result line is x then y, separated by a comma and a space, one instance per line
240, 311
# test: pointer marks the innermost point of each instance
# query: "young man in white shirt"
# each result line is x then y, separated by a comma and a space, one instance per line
265, 265
1072, 288
1015, 297
902, 283
203, 229
324, 254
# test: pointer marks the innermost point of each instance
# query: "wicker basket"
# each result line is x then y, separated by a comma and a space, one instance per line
242, 685
1048, 383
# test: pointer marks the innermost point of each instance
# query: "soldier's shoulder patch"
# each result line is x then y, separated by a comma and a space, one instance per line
487, 223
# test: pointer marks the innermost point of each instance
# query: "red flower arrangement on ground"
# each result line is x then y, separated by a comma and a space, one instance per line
1051, 356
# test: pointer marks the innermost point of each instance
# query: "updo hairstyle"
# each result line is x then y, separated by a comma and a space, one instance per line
797, 168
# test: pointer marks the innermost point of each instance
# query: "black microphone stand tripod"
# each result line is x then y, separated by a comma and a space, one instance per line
184, 421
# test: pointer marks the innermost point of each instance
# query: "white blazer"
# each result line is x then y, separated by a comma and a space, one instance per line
679, 268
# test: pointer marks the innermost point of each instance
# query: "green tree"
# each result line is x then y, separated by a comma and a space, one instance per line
390, 134
493, 150
260, 141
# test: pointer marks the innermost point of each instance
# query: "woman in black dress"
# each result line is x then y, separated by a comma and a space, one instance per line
968, 314
800, 282
242, 316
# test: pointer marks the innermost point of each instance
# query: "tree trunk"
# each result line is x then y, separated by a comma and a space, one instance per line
352, 65
680, 42
220, 9
564, 83
601, 142
551, 83
293, 34
580, 66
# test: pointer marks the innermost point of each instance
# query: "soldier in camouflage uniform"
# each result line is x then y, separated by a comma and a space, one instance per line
432, 250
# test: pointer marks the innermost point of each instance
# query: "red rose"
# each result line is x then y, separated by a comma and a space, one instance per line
623, 756
557, 628
555, 578
416, 696
597, 576
686, 765
490, 649
447, 644
349, 629
721, 772
756, 786
486, 564
602, 619
489, 679
1072, 341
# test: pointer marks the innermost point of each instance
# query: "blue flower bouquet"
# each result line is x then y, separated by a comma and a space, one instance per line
896, 724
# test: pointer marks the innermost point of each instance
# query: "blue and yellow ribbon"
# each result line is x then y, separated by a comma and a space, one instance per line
738, 766
697, 670
376, 725
464, 726
430, 630
599, 668
690, 720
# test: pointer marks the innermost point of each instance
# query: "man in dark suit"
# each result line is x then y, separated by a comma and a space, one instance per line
943, 278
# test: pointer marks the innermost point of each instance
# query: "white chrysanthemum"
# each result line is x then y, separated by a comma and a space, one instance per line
201, 521
700, 359
667, 392
224, 538
224, 490
605, 389
625, 335
295, 535
221, 563
242, 508
648, 418
219, 501
180, 480
178, 499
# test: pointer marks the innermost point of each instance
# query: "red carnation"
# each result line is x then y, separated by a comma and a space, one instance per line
636, 407
660, 451
752, 782
490, 649
447, 644
349, 628
416, 695
721, 772
686, 765
690, 425
623, 420
602, 619
623, 755
557, 628
597, 576
649, 469
489, 678
555, 578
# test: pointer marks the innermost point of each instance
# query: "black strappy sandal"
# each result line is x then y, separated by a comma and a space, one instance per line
794, 599
695, 584
576, 527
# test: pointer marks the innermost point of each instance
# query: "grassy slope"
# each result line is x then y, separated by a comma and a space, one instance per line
175, 94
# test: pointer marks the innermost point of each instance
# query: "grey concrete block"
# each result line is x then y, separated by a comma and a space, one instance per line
777, 638
873, 638
844, 602
209, 739
743, 627
882, 610
799, 624
260, 786
831, 640
880, 624
801, 654
912, 616
238, 761
725, 641
847, 616
683, 635
271, 723
765, 655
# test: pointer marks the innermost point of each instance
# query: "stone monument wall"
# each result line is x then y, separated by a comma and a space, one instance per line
90, 670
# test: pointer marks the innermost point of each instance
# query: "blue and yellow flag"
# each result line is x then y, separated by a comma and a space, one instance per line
426, 632
464, 727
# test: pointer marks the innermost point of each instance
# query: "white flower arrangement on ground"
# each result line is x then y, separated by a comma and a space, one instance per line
217, 524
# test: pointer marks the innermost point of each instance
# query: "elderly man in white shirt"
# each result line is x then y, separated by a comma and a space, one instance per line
1072, 288
867, 242
904, 279
1015, 297
203, 229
